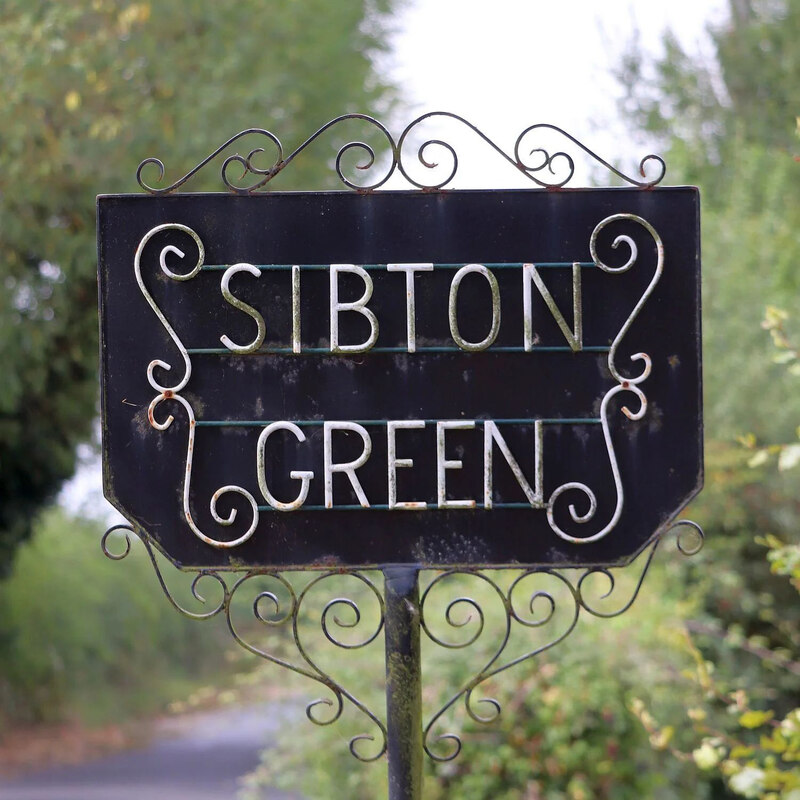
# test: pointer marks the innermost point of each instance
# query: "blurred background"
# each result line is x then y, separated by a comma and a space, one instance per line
693, 692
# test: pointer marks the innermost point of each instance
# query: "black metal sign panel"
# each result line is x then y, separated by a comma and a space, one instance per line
451, 378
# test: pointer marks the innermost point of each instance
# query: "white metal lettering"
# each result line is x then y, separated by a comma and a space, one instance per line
411, 314
574, 337
305, 477
394, 463
296, 347
242, 306
491, 434
348, 467
453, 308
443, 463
359, 306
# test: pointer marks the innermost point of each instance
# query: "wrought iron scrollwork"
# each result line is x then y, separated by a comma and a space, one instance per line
283, 607
171, 394
541, 609
522, 604
627, 384
545, 168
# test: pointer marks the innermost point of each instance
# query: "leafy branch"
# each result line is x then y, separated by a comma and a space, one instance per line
757, 759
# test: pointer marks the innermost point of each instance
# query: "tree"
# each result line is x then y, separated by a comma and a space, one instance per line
728, 124
748, 92
91, 88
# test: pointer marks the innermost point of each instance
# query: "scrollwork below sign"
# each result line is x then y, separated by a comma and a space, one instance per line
511, 378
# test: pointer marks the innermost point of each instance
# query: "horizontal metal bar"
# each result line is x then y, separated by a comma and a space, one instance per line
377, 267
383, 507
257, 423
315, 351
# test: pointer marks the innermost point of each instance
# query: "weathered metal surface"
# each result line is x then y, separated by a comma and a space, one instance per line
404, 747
525, 392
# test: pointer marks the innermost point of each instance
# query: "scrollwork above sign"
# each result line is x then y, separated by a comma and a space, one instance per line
547, 168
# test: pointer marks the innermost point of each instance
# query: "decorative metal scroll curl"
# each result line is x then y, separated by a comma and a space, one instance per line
525, 604
546, 168
172, 393
627, 384
284, 607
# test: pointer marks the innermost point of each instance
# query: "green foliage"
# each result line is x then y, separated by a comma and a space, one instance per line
784, 559
744, 686
740, 592
754, 751
742, 689
705, 108
83, 636
728, 124
787, 454
565, 731
91, 88
749, 257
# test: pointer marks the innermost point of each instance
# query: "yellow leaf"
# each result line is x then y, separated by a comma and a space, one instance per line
661, 740
755, 719
72, 100
747, 440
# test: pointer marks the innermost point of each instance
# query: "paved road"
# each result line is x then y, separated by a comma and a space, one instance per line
199, 757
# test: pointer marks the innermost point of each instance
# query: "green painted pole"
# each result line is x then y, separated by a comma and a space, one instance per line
403, 683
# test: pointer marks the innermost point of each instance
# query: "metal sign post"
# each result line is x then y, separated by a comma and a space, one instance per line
402, 381
403, 683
